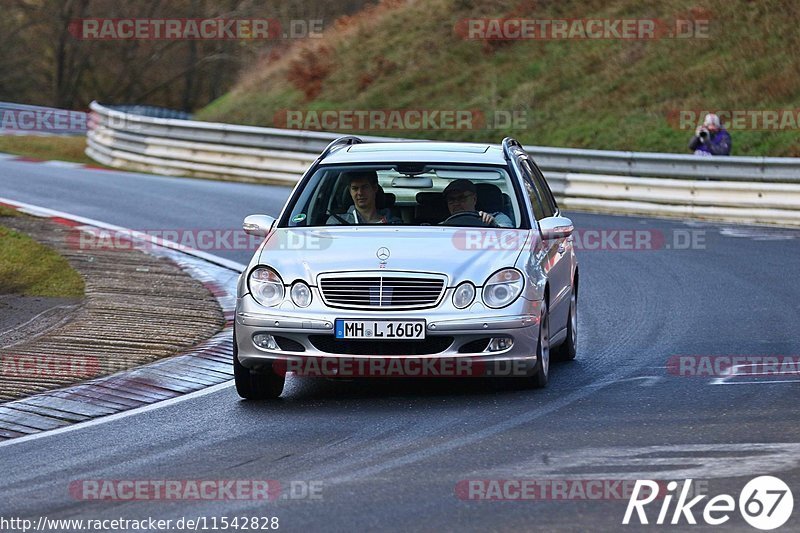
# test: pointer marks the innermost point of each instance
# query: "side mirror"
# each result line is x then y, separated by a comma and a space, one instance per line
556, 227
258, 225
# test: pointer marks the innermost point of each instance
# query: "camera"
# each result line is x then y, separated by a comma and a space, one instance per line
704, 134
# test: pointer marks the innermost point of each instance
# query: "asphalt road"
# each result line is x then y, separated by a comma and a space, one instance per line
390, 455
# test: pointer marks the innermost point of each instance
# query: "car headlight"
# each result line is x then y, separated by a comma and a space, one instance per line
266, 286
502, 288
301, 294
463, 295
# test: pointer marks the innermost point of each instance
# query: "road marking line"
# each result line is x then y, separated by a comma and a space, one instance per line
52, 213
62, 164
118, 416
558, 403
675, 461
733, 374
168, 245
721, 381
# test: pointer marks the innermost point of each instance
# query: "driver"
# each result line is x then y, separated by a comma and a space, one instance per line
363, 187
461, 196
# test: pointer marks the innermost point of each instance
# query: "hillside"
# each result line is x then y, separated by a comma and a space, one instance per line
588, 93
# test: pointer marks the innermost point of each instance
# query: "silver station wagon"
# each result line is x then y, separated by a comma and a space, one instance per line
409, 259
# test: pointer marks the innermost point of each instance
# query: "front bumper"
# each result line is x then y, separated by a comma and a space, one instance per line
457, 335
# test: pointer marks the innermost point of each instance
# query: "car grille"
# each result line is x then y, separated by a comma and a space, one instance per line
382, 292
330, 344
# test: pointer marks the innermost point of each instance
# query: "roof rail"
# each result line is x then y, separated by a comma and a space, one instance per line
346, 141
508, 143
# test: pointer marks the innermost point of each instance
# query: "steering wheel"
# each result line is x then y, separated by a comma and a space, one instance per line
466, 218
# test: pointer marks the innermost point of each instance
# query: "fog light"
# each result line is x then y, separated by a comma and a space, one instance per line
267, 342
499, 344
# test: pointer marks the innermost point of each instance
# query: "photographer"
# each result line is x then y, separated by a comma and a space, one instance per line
711, 138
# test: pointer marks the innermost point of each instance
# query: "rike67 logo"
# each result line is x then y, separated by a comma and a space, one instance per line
765, 503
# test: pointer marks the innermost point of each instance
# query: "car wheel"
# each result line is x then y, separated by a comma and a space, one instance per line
263, 384
538, 375
543, 350
569, 348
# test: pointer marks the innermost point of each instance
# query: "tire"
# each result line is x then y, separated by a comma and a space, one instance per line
539, 374
543, 350
569, 348
263, 384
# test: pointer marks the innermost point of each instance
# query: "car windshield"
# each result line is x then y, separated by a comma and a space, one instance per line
410, 195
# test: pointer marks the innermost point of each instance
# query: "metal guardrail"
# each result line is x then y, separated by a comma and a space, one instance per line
751, 189
151, 111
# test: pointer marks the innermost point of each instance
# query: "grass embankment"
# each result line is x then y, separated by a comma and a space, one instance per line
32, 269
61, 148
603, 94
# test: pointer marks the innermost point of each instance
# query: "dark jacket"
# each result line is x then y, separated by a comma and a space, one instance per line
718, 143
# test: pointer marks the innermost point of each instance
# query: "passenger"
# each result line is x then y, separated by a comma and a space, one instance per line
363, 187
461, 196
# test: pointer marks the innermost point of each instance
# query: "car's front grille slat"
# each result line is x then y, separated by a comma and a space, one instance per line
382, 292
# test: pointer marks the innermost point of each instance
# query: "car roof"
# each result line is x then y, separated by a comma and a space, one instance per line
417, 151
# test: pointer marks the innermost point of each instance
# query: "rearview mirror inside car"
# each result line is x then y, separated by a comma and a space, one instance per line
420, 182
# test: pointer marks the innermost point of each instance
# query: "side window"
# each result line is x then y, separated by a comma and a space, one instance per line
548, 206
530, 188
549, 202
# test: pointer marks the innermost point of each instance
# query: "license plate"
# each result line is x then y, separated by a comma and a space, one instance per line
380, 329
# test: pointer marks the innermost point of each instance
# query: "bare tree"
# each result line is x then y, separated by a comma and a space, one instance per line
44, 62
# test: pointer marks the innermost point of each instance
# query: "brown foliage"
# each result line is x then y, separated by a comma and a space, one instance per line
381, 67
308, 71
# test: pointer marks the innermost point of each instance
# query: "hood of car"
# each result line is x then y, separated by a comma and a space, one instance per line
459, 253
